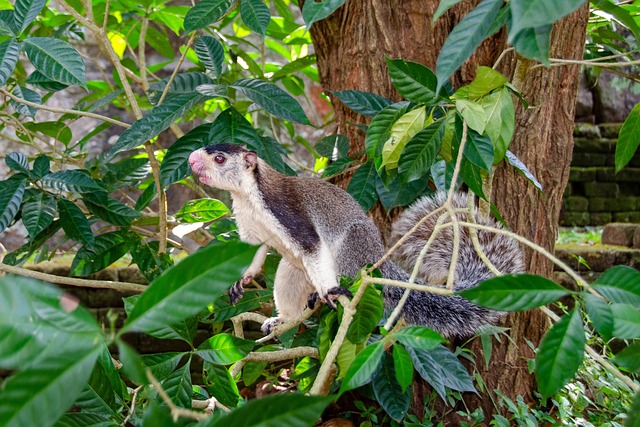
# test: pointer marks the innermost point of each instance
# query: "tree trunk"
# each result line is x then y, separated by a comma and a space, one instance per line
351, 46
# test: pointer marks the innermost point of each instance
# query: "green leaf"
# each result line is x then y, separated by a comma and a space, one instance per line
600, 313
41, 166
81, 419
18, 162
367, 316
443, 7
465, 38
38, 212
175, 165
487, 80
633, 414
273, 99
71, 180
256, 15
25, 11
514, 161
211, 53
628, 140
151, 263
221, 384
620, 284
131, 170
380, 127
75, 223
7, 23
43, 82
363, 185
401, 132
106, 249
473, 114
363, 367
534, 43
110, 210
515, 292
419, 337
162, 365
403, 366
231, 127
479, 150
500, 112
472, 176
224, 349
178, 386
536, 13
629, 357
421, 151
188, 287
157, 120
99, 394
299, 64
560, 354
413, 81
9, 54
56, 59
626, 321
206, 12
132, 365
398, 193
28, 95
183, 83
287, 409
202, 210
314, 11
47, 390
388, 391
365, 103
11, 192
440, 368
620, 14
333, 146
57, 130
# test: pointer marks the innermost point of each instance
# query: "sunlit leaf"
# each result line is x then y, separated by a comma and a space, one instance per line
314, 11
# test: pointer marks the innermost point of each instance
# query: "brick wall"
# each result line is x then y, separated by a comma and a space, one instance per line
596, 195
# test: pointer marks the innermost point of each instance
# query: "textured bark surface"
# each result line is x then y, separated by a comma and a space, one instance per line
351, 46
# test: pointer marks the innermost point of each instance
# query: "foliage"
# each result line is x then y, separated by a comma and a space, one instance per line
227, 89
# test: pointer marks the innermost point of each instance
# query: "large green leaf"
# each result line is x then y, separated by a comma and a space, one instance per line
71, 180
256, 15
465, 38
74, 223
221, 384
473, 114
380, 128
175, 165
25, 11
626, 321
43, 82
401, 132
419, 337
314, 11
479, 150
472, 176
19, 162
178, 386
514, 292
536, 13
11, 192
500, 113
534, 43
56, 59
162, 365
421, 151
191, 285
7, 23
224, 349
560, 354
403, 366
273, 99
367, 317
183, 83
286, 409
363, 185
301, 64
206, 12
211, 53
628, 140
83, 419
38, 212
202, 210
151, 262
363, 367
629, 358
365, 103
110, 210
398, 193
157, 120
28, 95
440, 368
487, 80
9, 54
620, 284
443, 7
413, 81
600, 313
99, 395
388, 391
107, 249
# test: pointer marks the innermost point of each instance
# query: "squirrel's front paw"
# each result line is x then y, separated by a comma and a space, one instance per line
330, 297
269, 325
235, 292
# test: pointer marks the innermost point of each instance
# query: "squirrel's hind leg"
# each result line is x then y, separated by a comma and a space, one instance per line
290, 294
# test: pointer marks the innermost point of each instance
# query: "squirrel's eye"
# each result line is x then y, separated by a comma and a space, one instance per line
220, 159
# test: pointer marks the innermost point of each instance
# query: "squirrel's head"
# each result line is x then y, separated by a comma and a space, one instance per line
224, 166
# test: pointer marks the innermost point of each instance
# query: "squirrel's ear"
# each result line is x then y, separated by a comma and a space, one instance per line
250, 160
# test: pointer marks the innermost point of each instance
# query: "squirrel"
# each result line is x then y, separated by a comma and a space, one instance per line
322, 233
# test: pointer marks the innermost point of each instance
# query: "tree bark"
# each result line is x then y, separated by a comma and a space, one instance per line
351, 46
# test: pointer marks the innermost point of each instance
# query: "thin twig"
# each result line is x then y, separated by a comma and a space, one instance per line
274, 356
176, 412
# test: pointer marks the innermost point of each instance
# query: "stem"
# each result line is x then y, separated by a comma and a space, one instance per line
176, 412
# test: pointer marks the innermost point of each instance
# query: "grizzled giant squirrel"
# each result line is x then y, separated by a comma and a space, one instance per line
322, 233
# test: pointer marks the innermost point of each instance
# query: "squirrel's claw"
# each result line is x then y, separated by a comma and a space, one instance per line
330, 297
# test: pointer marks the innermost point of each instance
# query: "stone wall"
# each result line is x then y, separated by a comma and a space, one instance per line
596, 195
